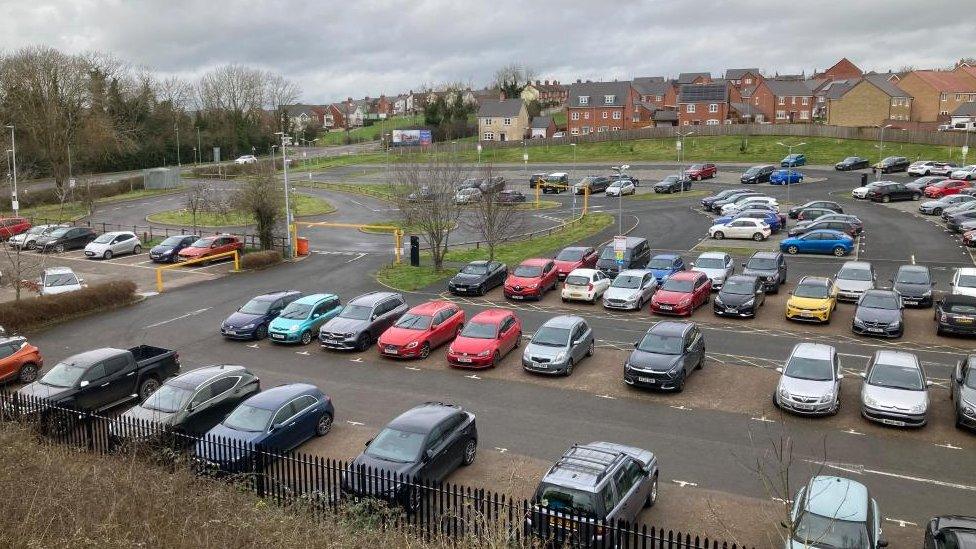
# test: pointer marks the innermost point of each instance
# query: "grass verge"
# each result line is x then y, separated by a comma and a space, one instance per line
302, 206
74, 211
370, 133
381, 192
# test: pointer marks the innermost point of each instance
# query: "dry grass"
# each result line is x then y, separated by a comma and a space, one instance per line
260, 259
34, 312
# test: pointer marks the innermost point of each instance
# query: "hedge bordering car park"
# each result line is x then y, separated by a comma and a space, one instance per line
30, 198
260, 259
32, 313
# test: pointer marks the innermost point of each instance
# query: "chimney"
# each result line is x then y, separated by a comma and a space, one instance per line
578, 81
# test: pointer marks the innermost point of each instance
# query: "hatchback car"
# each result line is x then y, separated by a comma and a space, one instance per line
757, 174
747, 202
510, 197
531, 279
962, 392
763, 213
681, 294
211, 246
963, 281
946, 188
795, 159
770, 267
936, 207
621, 187
478, 277
558, 346
893, 192
717, 205
810, 380
922, 182
168, 250
672, 184
27, 240
741, 296
584, 285
879, 313
19, 360
12, 226
111, 244
892, 164
422, 329
956, 314
468, 195
591, 184
895, 390
813, 299
786, 177
862, 191
717, 266
362, 320
486, 339
706, 203
853, 279
631, 290
966, 172
662, 266
59, 280
825, 241
914, 284
748, 229
810, 214
853, 220
64, 239
852, 163
636, 254
300, 320
821, 204
665, 356
575, 257
846, 227
251, 320
832, 512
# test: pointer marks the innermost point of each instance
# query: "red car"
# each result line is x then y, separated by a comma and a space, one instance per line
533, 278
682, 293
9, 226
211, 245
575, 257
19, 360
969, 239
945, 188
422, 328
486, 338
701, 171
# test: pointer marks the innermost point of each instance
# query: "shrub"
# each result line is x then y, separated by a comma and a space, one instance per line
34, 312
260, 259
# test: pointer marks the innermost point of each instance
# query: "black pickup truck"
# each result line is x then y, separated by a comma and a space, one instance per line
102, 378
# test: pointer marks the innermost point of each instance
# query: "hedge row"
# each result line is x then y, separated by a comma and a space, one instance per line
234, 170
33, 312
38, 197
260, 259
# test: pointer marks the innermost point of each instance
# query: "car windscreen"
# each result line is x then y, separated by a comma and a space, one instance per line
168, 399
570, 254
257, 307
661, 344
912, 277
814, 369
248, 418
528, 271
753, 171
660, 264
412, 321
851, 159
202, 243
895, 376
104, 239
64, 374
696, 167
631, 282
813, 291
761, 264
739, 287
710, 263
671, 179
172, 241
879, 301
551, 337
608, 253
58, 233
673, 285
854, 273
37, 230
966, 281
474, 269
814, 530
297, 311
960, 308
577, 280
60, 279
356, 312
480, 330
397, 446
566, 500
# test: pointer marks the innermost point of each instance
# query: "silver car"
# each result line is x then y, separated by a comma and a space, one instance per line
28, 240
558, 345
631, 290
717, 266
853, 279
114, 243
810, 381
895, 391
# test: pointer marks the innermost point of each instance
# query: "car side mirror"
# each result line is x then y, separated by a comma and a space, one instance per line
863, 375
428, 455
83, 384
928, 383
780, 370
840, 376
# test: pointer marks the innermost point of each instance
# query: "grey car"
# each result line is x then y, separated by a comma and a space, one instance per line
362, 321
853, 279
558, 346
914, 284
936, 207
717, 266
666, 356
631, 290
879, 313
770, 267
895, 391
963, 392
810, 381
113, 243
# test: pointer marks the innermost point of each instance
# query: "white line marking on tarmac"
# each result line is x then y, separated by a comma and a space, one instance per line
764, 419
355, 360
682, 407
254, 346
354, 422
474, 377
412, 368
181, 317
899, 522
608, 397
860, 470
303, 353
501, 450
853, 432
683, 483
360, 256
949, 446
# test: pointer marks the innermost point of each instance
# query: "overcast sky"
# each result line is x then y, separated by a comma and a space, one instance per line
335, 49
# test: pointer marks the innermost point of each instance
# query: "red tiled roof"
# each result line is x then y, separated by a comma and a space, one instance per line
945, 81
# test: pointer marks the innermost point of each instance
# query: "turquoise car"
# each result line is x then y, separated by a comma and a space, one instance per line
300, 321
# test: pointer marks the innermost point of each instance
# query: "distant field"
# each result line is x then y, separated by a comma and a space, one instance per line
370, 133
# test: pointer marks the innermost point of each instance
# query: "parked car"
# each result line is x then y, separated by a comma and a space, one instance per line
810, 214
701, 171
794, 212
930, 167
111, 244
922, 182
845, 227
969, 239
246, 159
964, 281
467, 195
824, 241
556, 183
422, 194
251, 320
630, 290
665, 356
672, 184
64, 239
956, 314
853, 279
210, 246
301, 320
892, 164
813, 299
960, 222
19, 360
597, 482
187, 405
536, 180
510, 197
749, 229
558, 346
741, 296
707, 202
835, 512
967, 173
427, 443
958, 208
757, 174
637, 253
895, 390
792, 160
531, 279
852, 163
478, 277
770, 267
12, 226
486, 339
662, 266
59, 280
946, 188
621, 187
584, 285
891, 192
717, 266
494, 184
168, 250
277, 420
914, 284
717, 205
627, 177
468, 183
575, 257
767, 216
682, 293
362, 320
862, 192
879, 313
962, 392
745, 203
810, 380
936, 207
785, 177
27, 240
949, 532
592, 184
422, 329
853, 220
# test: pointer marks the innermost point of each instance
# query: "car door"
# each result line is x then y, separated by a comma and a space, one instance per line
648, 285
433, 460
738, 228
582, 337
701, 290
509, 334
283, 432
94, 388
453, 442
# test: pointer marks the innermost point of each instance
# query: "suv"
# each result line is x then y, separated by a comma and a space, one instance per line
593, 485
536, 180
636, 256
770, 267
362, 320
555, 183
893, 164
893, 191
701, 171
596, 184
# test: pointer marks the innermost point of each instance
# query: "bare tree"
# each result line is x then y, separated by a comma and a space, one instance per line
513, 78
424, 193
261, 195
490, 218
195, 200
19, 267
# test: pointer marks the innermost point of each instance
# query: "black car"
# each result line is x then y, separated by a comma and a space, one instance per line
740, 296
168, 250
852, 219
362, 320
537, 179
758, 174
769, 267
892, 192
914, 284
65, 238
707, 202
845, 227
955, 222
636, 255
510, 197
956, 314
666, 356
951, 532
627, 177
812, 214
852, 163
422, 445
595, 184
718, 204
250, 321
963, 393
879, 313
821, 204
893, 164
478, 277
922, 183
672, 184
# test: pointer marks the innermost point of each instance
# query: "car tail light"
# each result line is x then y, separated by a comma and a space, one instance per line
176, 357
589, 287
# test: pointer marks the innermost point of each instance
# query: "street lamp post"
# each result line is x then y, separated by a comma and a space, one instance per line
877, 172
199, 147
681, 149
284, 163
792, 163
573, 145
13, 153
178, 163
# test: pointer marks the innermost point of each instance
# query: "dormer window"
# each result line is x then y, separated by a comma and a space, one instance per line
609, 99
584, 100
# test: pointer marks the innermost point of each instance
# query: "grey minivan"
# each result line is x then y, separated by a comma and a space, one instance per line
362, 321
558, 345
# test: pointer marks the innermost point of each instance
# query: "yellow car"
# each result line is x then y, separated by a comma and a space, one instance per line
813, 300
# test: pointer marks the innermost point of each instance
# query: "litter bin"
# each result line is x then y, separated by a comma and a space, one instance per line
864, 179
414, 251
302, 246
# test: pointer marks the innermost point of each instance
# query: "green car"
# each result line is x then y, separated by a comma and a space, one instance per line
300, 321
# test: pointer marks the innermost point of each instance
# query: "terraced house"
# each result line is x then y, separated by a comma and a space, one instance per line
785, 101
869, 101
595, 107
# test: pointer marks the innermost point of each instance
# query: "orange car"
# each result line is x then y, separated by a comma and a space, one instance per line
19, 361
211, 245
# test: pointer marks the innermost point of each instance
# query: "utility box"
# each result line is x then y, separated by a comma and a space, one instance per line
414, 251
864, 179
161, 178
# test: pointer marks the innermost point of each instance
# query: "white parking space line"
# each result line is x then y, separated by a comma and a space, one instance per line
861, 470
181, 317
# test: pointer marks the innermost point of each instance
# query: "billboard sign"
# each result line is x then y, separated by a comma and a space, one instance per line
411, 138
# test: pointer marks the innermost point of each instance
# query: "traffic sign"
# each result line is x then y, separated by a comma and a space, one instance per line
71, 183
677, 145
619, 248
525, 157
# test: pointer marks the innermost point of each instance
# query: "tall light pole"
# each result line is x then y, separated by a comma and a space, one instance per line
284, 163
525, 158
199, 148
877, 172
178, 163
681, 149
620, 197
789, 176
13, 153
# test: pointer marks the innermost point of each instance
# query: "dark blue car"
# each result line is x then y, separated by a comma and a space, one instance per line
770, 217
664, 265
251, 321
276, 420
822, 241
168, 250
785, 177
795, 159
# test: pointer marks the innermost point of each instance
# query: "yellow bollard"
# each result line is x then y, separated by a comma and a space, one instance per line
237, 261
159, 280
538, 190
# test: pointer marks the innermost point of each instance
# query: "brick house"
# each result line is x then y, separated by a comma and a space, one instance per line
869, 101
937, 93
742, 78
966, 72
542, 127
831, 89
842, 69
503, 120
705, 104
301, 116
551, 93
656, 92
784, 101
335, 116
383, 106
601, 106
694, 78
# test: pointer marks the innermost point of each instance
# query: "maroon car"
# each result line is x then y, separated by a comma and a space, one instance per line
701, 171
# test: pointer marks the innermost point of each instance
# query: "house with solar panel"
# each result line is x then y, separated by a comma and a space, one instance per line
707, 104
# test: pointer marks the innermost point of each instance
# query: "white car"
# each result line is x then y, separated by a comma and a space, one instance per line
112, 244
27, 240
246, 159
921, 167
58, 280
467, 195
621, 187
966, 173
753, 229
964, 281
717, 266
584, 285
862, 192
742, 205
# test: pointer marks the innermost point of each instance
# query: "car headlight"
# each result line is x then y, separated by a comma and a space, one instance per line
560, 357
919, 408
927, 293
718, 301
784, 393
828, 397
347, 334
858, 322
870, 401
484, 353
412, 344
894, 324
533, 286
248, 327
293, 328
750, 302
684, 303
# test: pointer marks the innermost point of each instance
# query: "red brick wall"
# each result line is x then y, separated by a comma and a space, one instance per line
701, 114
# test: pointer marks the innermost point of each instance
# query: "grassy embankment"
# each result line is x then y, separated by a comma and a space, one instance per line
302, 206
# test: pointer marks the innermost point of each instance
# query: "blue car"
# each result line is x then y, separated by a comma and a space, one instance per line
301, 320
795, 159
785, 177
822, 241
276, 420
664, 265
251, 320
769, 216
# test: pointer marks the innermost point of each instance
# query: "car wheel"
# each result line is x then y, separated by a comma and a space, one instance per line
107, 254
652, 497
470, 452
495, 358
28, 373
147, 388
569, 368
363, 342
324, 425
425, 350
481, 289
137, 250
719, 235
758, 237
59, 249
792, 250
839, 251
518, 340
681, 383
886, 199
775, 400
261, 332
916, 197
591, 349
306, 337
937, 211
